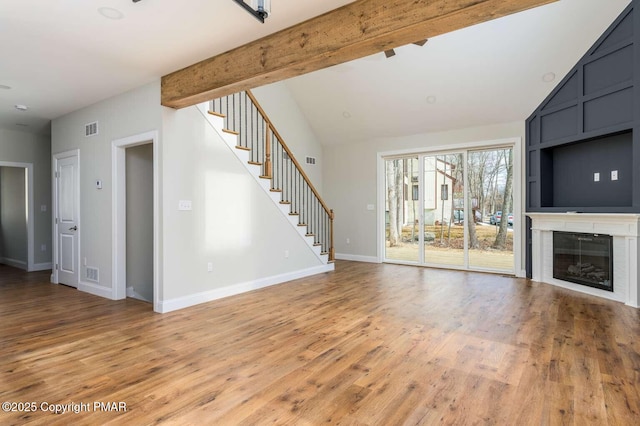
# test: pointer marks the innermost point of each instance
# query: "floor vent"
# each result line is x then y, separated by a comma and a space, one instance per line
311, 160
92, 274
91, 129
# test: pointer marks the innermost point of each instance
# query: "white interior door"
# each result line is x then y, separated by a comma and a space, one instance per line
67, 206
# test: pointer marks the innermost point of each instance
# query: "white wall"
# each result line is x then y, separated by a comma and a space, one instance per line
22, 147
350, 180
291, 123
127, 114
13, 219
139, 218
234, 224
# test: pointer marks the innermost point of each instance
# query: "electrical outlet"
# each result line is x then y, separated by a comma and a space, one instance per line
614, 175
596, 177
43, 247
43, 208
348, 241
184, 205
209, 267
286, 254
370, 207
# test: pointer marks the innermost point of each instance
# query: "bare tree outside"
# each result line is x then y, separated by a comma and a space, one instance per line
392, 197
501, 238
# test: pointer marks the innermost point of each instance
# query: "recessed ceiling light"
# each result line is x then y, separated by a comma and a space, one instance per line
346, 114
110, 13
4, 87
431, 99
549, 77
21, 107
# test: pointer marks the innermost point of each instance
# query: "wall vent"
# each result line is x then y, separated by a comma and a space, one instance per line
311, 160
91, 129
93, 274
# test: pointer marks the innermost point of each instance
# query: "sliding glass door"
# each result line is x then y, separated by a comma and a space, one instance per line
445, 209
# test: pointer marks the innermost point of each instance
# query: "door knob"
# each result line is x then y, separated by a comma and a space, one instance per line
75, 228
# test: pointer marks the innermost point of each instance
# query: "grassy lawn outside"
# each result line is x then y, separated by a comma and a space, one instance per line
449, 250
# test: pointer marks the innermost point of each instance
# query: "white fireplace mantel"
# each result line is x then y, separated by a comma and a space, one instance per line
625, 230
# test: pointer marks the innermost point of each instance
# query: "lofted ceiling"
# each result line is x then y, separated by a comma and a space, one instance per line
489, 73
59, 56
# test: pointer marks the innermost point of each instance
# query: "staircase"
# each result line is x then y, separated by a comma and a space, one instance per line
245, 127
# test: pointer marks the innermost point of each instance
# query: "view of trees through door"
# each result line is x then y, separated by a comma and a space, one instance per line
448, 209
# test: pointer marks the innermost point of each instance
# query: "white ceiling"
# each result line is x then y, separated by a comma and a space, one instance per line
485, 74
59, 56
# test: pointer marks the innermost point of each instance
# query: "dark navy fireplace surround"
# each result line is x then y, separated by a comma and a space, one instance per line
587, 131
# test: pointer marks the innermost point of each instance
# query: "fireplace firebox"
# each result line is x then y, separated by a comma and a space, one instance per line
585, 259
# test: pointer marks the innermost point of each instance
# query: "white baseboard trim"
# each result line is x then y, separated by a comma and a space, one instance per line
42, 267
15, 263
522, 273
132, 293
208, 296
357, 258
96, 290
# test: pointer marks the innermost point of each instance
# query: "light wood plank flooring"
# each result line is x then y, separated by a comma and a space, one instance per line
365, 345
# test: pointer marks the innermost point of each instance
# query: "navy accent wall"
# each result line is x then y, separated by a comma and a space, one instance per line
590, 123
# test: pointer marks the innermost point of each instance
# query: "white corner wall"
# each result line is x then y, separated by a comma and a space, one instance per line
350, 181
233, 224
292, 124
23, 147
131, 113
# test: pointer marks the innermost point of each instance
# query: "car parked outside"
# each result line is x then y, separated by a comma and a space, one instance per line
496, 218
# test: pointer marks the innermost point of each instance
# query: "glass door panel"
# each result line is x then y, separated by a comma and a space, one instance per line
443, 209
490, 189
402, 214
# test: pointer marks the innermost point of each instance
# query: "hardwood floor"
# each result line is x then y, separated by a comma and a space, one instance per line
365, 345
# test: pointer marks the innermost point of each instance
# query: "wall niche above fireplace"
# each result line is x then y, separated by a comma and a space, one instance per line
578, 176
589, 127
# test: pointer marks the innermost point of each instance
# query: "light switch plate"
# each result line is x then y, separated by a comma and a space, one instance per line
596, 177
370, 207
184, 205
614, 175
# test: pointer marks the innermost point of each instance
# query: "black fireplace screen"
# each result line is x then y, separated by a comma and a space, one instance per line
585, 259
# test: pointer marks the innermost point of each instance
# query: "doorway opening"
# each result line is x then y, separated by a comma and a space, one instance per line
451, 209
136, 265
139, 221
16, 215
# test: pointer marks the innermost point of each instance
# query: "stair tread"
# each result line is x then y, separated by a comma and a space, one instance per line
302, 224
231, 132
264, 177
285, 202
255, 163
294, 214
244, 148
217, 114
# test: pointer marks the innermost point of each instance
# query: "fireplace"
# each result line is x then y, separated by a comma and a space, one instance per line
585, 259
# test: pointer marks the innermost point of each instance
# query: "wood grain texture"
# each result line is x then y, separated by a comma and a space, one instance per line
367, 344
353, 31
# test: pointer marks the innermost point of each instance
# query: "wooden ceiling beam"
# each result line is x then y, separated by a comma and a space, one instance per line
353, 31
